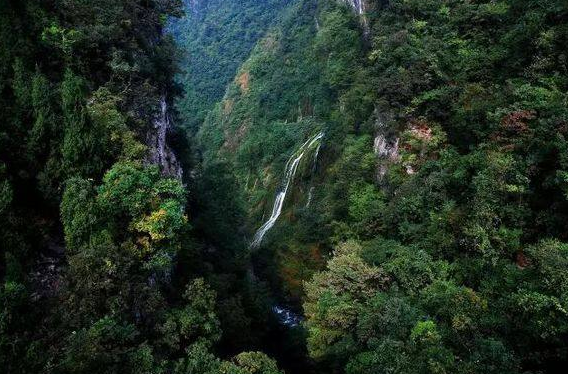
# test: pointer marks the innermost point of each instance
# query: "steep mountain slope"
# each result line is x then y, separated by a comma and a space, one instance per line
368, 186
92, 208
441, 179
300, 79
216, 36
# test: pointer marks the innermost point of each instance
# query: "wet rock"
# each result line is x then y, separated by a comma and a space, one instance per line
287, 317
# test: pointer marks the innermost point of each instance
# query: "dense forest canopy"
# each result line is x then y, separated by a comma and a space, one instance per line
300, 186
215, 38
91, 230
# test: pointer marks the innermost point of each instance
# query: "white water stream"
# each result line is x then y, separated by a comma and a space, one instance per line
291, 168
287, 317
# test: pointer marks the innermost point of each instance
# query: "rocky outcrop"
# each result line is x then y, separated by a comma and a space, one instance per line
386, 146
159, 151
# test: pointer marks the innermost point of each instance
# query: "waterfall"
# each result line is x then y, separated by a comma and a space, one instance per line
357, 5
291, 168
316, 154
160, 152
360, 8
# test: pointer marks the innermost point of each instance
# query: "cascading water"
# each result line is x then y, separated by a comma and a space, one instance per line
287, 317
357, 5
360, 7
291, 168
316, 154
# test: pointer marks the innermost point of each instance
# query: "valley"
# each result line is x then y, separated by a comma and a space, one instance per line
283, 186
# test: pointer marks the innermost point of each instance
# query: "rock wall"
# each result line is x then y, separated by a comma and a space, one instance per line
159, 151
386, 146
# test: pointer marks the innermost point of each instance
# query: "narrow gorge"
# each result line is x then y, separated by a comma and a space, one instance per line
283, 186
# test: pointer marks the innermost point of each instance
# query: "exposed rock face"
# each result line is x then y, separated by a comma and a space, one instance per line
385, 147
160, 153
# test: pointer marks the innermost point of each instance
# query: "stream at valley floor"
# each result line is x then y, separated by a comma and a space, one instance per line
287, 317
288, 342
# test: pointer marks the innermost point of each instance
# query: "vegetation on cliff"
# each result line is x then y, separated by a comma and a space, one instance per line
425, 231
440, 193
91, 231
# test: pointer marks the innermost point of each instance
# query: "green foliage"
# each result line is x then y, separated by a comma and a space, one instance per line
79, 84
195, 322
477, 179
543, 295
217, 37
5, 193
100, 348
220, 207
256, 363
285, 93
104, 112
79, 213
333, 299
135, 208
200, 361
85, 142
12, 297
154, 205
441, 183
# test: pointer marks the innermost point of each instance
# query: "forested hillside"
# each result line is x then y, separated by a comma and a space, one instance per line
434, 213
215, 37
291, 88
93, 212
457, 261
329, 186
